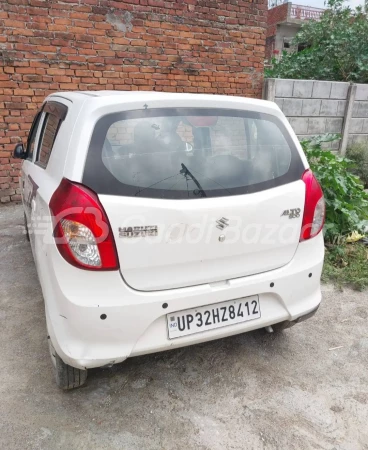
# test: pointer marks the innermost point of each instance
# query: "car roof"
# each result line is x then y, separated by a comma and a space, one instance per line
112, 97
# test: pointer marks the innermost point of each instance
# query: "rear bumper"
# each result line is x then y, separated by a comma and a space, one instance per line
135, 321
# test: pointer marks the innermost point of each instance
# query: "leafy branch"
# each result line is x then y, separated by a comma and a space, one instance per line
336, 47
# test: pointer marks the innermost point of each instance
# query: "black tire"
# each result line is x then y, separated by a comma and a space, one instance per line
67, 377
26, 227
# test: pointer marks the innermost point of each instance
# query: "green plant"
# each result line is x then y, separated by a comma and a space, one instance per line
337, 47
359, 154
347, 264
346, 200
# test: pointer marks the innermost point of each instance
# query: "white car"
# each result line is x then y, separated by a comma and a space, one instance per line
163, 220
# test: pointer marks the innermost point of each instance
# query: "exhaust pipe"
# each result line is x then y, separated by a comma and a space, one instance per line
269, 329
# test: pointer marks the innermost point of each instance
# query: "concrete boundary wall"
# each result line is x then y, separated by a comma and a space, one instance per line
318, 107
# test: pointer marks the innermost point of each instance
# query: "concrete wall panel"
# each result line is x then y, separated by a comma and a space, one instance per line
311, 107
316, 107
321, 89
302, 89
339, 90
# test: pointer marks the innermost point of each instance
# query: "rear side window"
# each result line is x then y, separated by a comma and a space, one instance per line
55, 113
50, 129
189, 153
32, 136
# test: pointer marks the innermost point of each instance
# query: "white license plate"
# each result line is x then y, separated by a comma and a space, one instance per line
208, 317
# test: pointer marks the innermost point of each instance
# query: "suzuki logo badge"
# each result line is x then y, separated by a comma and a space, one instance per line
222, 223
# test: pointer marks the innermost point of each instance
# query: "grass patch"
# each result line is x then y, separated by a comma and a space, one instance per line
346, 265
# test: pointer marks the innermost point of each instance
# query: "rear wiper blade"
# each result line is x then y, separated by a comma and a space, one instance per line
185, 171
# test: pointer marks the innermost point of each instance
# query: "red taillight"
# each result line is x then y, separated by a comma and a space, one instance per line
82, 230
314, 208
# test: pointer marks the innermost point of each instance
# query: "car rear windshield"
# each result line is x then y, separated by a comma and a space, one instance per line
189, 153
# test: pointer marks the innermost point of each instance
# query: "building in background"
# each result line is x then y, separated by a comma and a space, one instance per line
284, 21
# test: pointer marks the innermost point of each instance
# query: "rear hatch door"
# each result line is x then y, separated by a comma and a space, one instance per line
197, 196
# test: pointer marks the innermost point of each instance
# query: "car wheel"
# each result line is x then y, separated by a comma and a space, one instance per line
26, 227
67, 377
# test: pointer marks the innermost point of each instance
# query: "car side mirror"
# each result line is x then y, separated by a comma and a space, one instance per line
19, 151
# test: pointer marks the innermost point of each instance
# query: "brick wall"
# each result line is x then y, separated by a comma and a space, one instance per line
275, 15
172, 45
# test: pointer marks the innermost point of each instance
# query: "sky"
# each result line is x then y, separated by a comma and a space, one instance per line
320, 3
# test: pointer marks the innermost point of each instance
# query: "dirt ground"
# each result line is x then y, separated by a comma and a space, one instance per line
304, 389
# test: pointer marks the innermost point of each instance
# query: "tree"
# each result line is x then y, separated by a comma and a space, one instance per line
337, 47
